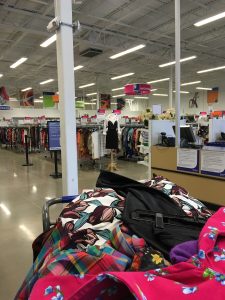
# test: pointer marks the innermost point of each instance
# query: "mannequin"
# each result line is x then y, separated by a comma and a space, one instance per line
111, 130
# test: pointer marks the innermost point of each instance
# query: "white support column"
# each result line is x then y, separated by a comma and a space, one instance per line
65, 64
177, 69
171, 89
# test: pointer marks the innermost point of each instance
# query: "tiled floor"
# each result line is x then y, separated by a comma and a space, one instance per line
22, 194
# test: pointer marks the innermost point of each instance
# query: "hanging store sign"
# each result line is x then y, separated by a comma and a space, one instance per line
48, 99
137, 89
54, 135
4, 107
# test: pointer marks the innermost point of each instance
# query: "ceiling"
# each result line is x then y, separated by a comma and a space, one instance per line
112, 26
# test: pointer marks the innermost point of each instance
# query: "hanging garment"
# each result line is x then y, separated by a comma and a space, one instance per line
201, 277
112, 136
152, 214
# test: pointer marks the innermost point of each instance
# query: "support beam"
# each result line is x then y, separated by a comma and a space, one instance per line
65, 62
171, 82
177, 69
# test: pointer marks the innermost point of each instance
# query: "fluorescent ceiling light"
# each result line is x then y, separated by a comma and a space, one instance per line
1, 75
121, 76
210, 19
181, 60
140, 97
117, 89
203, 88
49, 41
5, 209
47, 81
41, 97
13, 100
121, 95
86, 85
127, 51
89, 103
159, 80
129, 99
38, 101
26, 89
18, 62
190, 83
78, 67
91, 94
210, 70
182, 92
115, 103
153, 90
162, 95
93, 100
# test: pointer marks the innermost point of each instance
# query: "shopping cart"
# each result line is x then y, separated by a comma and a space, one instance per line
46, 221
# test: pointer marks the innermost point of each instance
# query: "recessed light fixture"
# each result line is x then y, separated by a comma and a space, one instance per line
181, 60
91, 94
203, 88
121, 76
133, 49
190, 83
117, 89
18, 62
78, 67
26, 89
49, 41
210, 19
162, 95
182, 92
47, 81
141, 97
210, 70
159, 80
121, 95
86, 85
1, 75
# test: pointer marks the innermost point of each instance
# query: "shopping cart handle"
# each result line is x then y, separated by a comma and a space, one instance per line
67, 199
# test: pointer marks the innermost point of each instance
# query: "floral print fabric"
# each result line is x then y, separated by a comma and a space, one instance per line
91, 217
190, 205
201, 277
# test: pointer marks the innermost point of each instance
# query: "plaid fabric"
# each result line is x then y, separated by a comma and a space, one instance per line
57, 257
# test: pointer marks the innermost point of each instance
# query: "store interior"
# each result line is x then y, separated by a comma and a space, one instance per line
124, 115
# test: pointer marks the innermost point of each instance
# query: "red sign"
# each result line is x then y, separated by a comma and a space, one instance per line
137, 89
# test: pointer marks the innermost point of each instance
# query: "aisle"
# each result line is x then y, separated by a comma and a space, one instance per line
22, 194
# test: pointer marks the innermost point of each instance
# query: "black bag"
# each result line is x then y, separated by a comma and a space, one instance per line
151, 214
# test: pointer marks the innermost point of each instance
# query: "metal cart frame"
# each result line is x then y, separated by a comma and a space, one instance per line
46, 222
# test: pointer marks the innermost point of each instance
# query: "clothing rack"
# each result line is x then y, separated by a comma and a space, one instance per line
130, 141
13, 137
89, 156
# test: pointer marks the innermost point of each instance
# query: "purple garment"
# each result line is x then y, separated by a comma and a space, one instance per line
183, 251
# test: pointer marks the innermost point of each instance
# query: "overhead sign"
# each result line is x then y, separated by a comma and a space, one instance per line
54, 135
4, 107
137, 89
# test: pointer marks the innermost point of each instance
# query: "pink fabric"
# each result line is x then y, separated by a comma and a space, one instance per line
201, 277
